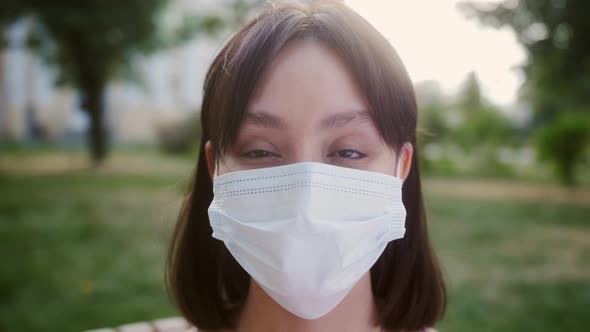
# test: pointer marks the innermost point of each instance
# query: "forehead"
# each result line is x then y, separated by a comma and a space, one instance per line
307, 80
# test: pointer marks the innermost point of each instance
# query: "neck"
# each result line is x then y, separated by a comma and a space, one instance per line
356, 312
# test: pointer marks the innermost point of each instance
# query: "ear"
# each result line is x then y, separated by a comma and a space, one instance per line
407, 151
210, 159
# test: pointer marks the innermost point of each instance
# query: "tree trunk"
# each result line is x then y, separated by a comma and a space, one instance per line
4, 127
94, 105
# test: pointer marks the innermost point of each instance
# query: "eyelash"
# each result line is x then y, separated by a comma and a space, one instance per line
255, 154
359, 154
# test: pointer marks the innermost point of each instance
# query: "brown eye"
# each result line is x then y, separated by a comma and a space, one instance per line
348, 154
258, 154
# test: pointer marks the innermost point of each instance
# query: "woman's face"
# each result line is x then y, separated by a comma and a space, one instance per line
308, 107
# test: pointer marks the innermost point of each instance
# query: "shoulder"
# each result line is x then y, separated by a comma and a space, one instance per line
194, 329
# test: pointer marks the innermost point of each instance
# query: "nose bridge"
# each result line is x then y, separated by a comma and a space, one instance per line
306, 142
307, 148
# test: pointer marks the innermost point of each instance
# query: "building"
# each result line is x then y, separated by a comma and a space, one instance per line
170, 86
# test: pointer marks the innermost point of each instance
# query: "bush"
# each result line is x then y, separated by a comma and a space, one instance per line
563, 143
180, 136
485, 127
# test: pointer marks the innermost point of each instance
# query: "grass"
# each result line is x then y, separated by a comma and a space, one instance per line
513, 265
84, 248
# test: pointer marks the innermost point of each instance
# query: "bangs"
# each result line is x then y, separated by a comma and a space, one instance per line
375, 66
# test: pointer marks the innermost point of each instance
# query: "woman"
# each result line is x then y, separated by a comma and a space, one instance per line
306, 212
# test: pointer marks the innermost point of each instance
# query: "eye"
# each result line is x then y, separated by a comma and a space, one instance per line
348, 154
258, 154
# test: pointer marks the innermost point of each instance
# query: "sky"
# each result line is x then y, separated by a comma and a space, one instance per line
437, 42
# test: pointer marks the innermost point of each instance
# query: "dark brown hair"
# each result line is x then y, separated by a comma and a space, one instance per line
204, 280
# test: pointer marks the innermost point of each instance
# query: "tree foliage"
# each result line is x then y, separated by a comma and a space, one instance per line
483, 124
563, 143
555, 34
92, 41
471, 123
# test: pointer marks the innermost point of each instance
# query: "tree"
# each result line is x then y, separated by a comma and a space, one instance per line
92, 41
471, 99
432, 112
563, 144
483, 124
555, 34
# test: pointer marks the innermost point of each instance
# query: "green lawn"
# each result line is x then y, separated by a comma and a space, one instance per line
513, 266
83, 248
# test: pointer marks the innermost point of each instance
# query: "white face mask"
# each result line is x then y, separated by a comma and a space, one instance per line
307, 232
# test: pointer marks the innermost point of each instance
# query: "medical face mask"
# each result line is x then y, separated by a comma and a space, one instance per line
307, 232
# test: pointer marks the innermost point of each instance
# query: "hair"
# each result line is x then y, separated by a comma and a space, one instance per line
204, 280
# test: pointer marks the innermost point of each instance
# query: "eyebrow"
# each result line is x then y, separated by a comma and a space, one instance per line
345, 118
264, 119
337, 120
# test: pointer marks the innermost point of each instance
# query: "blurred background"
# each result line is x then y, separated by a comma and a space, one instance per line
99, 129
